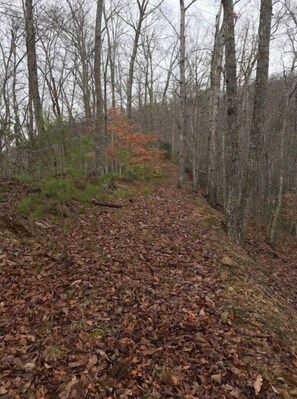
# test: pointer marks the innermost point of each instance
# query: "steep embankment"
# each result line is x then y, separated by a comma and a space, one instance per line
148, 301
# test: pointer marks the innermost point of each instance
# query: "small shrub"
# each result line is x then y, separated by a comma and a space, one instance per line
56, 194
25, 206
107, 181
62, 190
89, 192
124, 193
130, 147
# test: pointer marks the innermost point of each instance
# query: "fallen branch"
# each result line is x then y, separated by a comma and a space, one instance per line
96, 202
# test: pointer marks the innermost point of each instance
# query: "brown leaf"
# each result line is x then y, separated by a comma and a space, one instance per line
217, 378
235, 393
258, 384
150, 352
67, 390
3, 391
202, 312
78, 363
76, 282
170, 378
173, 379
227, 261
235, 370
93, 360
29, 366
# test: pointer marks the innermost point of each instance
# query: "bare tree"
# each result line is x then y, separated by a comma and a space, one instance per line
182, 92
32, 66
77, 30
143, 13
142, 9
214, 100
290, 89
255, 182
234, 228
100, 139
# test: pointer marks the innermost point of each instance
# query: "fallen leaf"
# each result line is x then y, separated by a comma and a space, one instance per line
76, 282
174, 379
79, 363
217, 378
170, 378
3, 391
227, 261
202, 312
93, 360
258, 384
235, 393
274, 389
29, 366
67, 390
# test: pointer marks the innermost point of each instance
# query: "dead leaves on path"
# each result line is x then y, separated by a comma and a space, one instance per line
129, 309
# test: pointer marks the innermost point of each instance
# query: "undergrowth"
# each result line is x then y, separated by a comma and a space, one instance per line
55, 194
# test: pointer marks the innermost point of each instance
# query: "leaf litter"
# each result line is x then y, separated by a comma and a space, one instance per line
123, 307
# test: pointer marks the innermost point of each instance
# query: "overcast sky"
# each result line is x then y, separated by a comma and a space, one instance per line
204, 12
201, 18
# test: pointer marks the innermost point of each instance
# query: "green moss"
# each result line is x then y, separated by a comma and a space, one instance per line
97, 332
46, 329
52, 353
77, 326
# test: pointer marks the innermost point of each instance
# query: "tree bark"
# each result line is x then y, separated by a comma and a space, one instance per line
100, 139
182, 92
32, 67
214, 100
276, 213
254, 185
234, 228
290, 88
142, 6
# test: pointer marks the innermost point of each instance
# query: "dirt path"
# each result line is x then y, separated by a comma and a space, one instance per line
122, 304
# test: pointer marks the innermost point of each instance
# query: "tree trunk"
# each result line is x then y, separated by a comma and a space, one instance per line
289, 91
99, 127
32, 67
111, 57
254, 185
215, 80
182, 82
142, 10
234, 228
277, 209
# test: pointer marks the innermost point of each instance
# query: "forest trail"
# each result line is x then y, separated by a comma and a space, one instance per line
123, 303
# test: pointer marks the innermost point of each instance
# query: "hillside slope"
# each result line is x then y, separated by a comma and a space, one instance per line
147, 301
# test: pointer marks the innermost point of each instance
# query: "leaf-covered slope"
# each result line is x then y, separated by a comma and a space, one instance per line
127, 303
